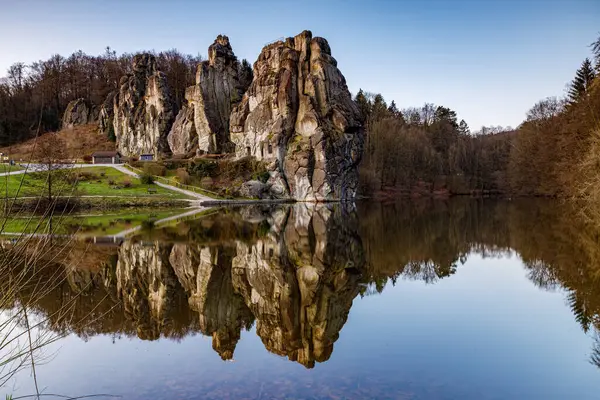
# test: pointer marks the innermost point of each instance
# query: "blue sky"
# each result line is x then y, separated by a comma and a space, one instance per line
488, 60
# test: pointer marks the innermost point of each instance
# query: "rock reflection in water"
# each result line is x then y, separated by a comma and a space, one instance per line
294, 271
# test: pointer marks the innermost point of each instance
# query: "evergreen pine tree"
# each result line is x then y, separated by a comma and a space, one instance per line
393, 109
363, 104
463, 128
582, 82
246, 73
596, 51
380, 109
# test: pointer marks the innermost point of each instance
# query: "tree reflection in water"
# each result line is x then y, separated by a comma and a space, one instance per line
294, 271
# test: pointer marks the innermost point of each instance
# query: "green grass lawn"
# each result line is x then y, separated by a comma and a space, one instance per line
92, 181
88, 224
4, 167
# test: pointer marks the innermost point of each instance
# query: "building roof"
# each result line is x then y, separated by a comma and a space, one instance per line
106, 154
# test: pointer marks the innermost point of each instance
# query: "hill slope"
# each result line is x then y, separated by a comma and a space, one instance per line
80, 141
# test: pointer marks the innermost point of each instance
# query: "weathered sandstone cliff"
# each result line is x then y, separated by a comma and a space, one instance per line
79, 112
203, 124
299, 117
143, 110
106, 114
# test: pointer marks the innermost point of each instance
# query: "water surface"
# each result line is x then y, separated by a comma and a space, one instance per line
452, 300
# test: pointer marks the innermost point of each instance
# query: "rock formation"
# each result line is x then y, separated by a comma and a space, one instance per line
106, 115
143, 110
79, 112
183, 138
299, 117
220, 85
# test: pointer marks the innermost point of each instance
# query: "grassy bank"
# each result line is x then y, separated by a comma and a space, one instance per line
218, 177
5, 168
92, 181
33, 205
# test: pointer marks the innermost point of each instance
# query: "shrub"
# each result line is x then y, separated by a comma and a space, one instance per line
127, 183
206, 182
155, 169
262, 176
175, 163
183, 176
87, 159
146, 179
83, 176
103, 174
147, 224
202, 168
111, 182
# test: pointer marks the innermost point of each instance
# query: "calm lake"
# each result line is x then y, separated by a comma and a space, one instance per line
461, 299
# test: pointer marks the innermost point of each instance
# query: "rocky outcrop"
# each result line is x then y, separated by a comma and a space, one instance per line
183, 138
298, 116
143, 110
254, 189
79, 112
220, 85
106, 114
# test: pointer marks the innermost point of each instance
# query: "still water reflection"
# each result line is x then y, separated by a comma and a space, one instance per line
455, 300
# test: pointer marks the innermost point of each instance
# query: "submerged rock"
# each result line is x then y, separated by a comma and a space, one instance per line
143, 110
299, 117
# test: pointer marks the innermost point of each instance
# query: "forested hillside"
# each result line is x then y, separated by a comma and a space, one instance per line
554, 152
38, 93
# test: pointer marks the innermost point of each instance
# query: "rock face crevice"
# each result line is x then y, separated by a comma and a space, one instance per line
143, 110
220, 85
299, 117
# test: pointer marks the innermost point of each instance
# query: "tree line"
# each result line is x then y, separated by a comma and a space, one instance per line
554, 152
36, 95
426, 149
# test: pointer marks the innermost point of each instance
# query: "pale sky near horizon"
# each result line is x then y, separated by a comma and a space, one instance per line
490, 61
